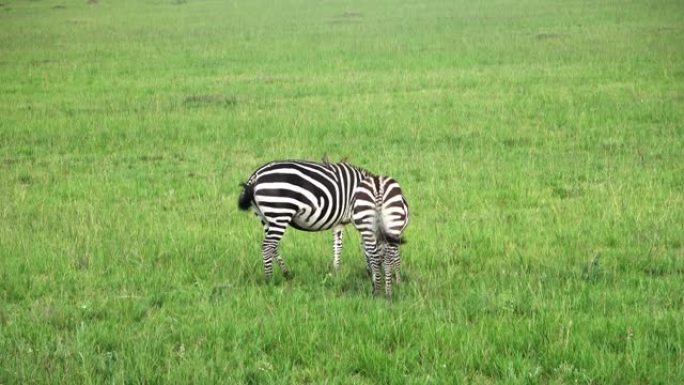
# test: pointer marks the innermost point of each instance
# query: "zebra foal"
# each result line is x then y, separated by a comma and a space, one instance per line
305, 195
380, 213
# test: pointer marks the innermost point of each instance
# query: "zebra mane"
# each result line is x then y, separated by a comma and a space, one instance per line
365, 173
324, 159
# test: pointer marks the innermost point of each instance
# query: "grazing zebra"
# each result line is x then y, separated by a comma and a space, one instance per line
306, 195
380, 213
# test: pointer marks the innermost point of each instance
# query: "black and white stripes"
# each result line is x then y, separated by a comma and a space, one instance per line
380, 213
305, 195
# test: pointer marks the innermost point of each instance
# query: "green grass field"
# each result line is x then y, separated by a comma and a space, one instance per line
540, 145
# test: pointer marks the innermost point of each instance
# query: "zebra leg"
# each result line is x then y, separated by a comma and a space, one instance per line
338, 232
369, 258
395, 261
281, 262
376, 263
272, 237
370, 249
368, 262
387, 267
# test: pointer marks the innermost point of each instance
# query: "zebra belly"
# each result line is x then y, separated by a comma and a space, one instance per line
308, 223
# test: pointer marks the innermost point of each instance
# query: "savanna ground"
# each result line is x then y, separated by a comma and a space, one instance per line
540, 144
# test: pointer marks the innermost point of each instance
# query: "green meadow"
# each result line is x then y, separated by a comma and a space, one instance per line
540, 144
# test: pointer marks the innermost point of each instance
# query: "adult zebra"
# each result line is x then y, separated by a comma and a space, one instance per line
305, 195
380, 213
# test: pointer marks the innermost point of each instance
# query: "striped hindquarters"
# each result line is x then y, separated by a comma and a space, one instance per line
380, 206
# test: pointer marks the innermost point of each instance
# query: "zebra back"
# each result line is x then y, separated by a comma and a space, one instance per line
318, 194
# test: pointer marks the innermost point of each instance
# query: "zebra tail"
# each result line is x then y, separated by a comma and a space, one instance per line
382, 231
395, 240
246, 196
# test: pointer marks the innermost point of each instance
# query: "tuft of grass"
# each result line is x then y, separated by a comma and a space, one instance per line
209, 100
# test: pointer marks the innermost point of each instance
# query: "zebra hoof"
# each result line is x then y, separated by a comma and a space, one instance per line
288, 275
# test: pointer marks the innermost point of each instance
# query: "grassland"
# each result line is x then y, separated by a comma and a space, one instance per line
539, 144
